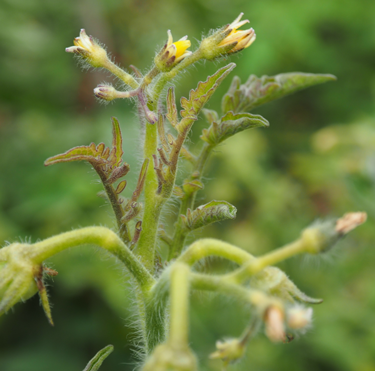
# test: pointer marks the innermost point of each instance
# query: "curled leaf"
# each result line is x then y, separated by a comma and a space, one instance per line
214, 211
200, 96
95, 363
230, 125
259, 90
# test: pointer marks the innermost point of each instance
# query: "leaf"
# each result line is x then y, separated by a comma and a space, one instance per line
210, 115
106, 160
98, 359
171, 107
200, 96
214, 211
91, 153
257, 91
117, 141
230, 125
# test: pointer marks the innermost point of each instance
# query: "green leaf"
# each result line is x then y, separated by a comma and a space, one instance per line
171, 107
257, 91
231, 124
210, 115
214, 211
98, 359
106, 159
91, 153
200, 96
117, 141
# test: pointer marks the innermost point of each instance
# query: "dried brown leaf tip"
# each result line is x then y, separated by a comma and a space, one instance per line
350, 221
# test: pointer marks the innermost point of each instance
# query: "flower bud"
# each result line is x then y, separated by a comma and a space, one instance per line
172, 53
229, 351
20, 277
106, 92
89, 50
167, 358
228, 40
299, 318
274, 322
323, 235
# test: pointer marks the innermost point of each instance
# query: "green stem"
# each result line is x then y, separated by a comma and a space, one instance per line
256, 265
211, 247
116, 207
188, 202
100, 236
121, 74
179, 307
153, 204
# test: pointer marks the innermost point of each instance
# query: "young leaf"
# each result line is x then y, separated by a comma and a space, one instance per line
92, 153
98, 359
232, 124
117, 141
214, 211
257, 91
171, 107
200, 96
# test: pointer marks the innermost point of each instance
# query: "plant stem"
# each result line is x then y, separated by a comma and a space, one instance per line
153, 204
256, 265
100, 236
116, 207
188, 202
121, 74
179, 306
211, 247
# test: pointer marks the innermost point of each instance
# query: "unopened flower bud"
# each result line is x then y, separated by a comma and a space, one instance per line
89, 50
323, 235
274, 321
106, 92
299, 317
172, 53
229, 351
228, 40
21, 277
166, 358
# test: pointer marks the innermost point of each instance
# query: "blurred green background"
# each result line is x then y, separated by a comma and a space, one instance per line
317, 159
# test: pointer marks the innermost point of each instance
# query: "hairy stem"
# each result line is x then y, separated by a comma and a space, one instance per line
179, 307
254, 266
116, 207
100, 236
188, 202
211, 247
121, 74
153, 204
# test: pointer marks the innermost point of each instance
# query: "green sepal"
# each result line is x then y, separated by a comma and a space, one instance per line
214, 211
200, 96
231, 124
259, 90
95, 363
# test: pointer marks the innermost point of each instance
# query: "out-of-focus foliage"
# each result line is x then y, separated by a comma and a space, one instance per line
316, 159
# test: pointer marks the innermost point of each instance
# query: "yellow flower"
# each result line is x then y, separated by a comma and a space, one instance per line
240, 39
88, 49
172, 53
